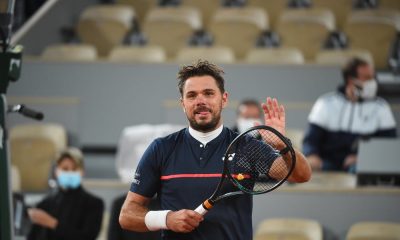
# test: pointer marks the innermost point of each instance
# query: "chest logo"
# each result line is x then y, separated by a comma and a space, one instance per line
230, 157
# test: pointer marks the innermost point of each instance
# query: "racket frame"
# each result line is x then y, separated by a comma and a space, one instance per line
215, 197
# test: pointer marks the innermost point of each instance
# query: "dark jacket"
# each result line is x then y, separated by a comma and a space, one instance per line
78, 212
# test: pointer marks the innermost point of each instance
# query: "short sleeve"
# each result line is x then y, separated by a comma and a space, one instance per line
146, 181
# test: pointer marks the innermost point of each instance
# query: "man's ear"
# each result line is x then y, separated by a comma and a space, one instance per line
224, 99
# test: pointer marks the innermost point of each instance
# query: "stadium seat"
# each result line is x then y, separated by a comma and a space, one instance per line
3, 6
374, 231
206, 7
340, 8
272, 7
15, 179
296, 137
138, 54
34, 147
389, 4
105, 26
238, 28
288, 229
70, 52
171, 27
381, 13
141, 7
215, 54
274, 56
133, 142
305, 29
374, 31
340, 57
331, 180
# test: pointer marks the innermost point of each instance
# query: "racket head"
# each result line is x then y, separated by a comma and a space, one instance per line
259, 160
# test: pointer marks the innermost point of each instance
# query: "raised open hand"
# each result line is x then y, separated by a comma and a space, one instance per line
274, 115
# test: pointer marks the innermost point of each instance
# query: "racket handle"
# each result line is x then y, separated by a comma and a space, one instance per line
204, 207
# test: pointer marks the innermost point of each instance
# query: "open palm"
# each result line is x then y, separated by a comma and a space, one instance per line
274, 115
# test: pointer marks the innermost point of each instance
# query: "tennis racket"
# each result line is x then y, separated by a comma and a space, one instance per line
257, 161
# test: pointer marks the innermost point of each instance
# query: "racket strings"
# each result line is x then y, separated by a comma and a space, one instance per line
253, 159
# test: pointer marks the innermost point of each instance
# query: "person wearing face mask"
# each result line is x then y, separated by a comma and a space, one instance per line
249, 113
338, 120
70, 212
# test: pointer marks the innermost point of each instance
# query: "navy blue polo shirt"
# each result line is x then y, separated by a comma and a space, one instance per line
184, 173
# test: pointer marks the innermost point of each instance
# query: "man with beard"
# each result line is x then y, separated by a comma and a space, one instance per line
182, 168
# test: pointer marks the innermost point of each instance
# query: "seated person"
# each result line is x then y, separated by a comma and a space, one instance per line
338, 120
248, 112
70, 212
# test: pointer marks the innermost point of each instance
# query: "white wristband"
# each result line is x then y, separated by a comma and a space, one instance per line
156, 220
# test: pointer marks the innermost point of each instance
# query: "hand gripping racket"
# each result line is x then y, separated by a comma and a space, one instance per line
257, 161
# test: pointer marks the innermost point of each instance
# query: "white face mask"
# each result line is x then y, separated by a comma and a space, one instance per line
245, 123
368, 89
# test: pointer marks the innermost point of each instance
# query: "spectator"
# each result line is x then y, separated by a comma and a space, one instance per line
70, 212
338, 120
248, 113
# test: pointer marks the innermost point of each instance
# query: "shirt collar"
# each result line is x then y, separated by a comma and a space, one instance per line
207, 137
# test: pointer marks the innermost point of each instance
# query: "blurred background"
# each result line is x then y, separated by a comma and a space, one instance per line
103, 73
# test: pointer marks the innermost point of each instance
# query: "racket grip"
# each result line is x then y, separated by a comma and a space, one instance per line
204, 207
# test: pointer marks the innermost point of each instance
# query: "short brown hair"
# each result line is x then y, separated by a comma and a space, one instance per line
351, 68
201, 68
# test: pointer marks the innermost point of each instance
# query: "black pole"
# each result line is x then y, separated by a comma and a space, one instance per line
6, 218
6, 57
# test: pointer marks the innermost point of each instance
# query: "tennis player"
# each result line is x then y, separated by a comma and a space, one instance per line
184, 168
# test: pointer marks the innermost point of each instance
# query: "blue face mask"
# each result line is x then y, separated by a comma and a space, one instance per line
69, 180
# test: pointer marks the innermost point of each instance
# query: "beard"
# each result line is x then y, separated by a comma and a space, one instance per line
204, 126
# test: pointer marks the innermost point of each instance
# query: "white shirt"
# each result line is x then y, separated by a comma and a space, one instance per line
334, 112
205, 138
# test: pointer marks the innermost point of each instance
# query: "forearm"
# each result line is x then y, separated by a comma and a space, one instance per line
132, 215
302, 170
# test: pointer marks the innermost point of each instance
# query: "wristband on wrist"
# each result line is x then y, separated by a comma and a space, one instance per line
156, 220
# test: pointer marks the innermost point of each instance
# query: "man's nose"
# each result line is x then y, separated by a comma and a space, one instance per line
200, 99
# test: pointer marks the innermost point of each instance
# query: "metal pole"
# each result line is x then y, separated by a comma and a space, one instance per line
6, 208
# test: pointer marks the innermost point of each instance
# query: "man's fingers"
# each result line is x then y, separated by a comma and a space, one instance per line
271, 110
195, 215
267, 112
191, 220
185, 220
282, 112
275, 107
